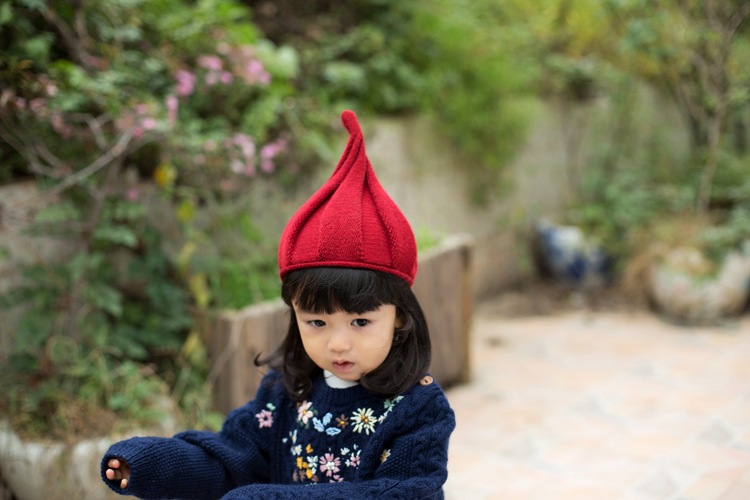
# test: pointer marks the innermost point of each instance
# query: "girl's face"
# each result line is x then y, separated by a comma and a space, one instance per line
348, 345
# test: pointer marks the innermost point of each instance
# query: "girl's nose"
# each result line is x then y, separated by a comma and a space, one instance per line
339, 341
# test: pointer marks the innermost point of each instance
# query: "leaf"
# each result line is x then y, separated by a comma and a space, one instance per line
199, 289
6, 13
38, 47
106, 298
58, 212
78, 266
129, 211
186, 211
33, 4
116, 234
318, 425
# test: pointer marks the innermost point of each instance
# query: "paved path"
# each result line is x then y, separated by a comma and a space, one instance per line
607, 405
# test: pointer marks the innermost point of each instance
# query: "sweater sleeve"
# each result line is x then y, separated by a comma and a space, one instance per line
414, 466
197, 464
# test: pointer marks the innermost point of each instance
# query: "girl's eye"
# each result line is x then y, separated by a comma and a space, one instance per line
361, 322
317, 323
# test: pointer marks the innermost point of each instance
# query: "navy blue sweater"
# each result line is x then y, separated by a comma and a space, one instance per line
339, 443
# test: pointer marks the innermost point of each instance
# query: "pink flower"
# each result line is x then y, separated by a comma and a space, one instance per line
329, 464
273, 148
173, 105
353, 461
212, 63
51, 89
226, 77
38, 106
267, 166
256, 73
269, 151
303, 412
237, 166
185, 82
265, 419
131, 194
211, 78
148, 123
245, 143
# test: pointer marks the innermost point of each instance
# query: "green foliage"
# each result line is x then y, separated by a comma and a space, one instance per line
367, 65
171, 93
480, 82
732, 230
93, 322
231, 258
452, 58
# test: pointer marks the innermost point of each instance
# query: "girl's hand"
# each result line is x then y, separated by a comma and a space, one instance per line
118, 469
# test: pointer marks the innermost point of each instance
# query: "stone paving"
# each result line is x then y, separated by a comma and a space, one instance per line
606, 405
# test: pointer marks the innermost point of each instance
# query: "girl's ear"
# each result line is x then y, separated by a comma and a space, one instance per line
399, 323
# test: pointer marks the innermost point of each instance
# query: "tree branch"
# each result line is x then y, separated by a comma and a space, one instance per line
76, 46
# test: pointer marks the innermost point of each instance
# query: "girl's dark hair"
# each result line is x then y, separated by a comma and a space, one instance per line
331, 289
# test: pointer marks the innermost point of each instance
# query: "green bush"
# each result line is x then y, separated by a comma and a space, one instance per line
133, 115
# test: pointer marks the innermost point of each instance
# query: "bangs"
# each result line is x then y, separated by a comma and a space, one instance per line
331, 289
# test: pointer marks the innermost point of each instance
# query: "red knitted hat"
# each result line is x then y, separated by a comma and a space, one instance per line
350, 221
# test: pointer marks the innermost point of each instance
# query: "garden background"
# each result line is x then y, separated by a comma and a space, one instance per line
151, 152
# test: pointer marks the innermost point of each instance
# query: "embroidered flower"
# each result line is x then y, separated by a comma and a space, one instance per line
312, 464
296, 450
353, 460
265, 419
321, 425
352, 456
304, 413
292, 437
329, 464
341, 421
303, 471
388, 404
385, 455
363, 420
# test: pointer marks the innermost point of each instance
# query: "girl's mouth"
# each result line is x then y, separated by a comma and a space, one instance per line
342, 366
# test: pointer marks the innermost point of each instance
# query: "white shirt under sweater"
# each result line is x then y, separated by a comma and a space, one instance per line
337, 383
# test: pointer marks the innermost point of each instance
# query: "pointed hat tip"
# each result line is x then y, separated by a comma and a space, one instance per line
349, 119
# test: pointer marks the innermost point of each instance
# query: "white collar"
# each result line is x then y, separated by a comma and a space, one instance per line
336, 383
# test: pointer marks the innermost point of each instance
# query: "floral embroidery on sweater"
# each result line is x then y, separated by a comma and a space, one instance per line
327, 464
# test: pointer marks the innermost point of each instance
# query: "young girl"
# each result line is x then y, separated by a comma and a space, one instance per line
347, 409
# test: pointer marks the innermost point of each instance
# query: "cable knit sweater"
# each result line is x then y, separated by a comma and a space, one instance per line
339, 443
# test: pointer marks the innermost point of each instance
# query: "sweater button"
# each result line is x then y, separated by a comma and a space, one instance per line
426, 380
